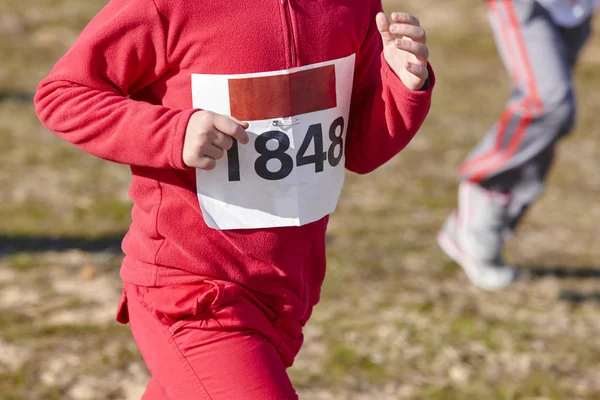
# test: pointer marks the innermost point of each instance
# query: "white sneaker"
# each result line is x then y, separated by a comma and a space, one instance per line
473, 236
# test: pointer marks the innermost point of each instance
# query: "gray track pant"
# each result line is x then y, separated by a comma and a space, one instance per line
515, 155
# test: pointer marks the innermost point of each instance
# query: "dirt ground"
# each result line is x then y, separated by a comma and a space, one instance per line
397, 319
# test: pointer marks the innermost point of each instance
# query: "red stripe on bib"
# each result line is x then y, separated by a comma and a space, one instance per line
279, 96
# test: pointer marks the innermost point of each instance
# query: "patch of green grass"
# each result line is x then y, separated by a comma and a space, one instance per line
470, 390
123, 358
343, 361
446, 393
540, 384
449, 268
16, 380
24, 385
465, 327
75, 330
17, 327
22, 261
12, 324
422, 308
52, 394
103, 216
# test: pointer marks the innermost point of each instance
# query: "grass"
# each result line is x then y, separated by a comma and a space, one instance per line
397, 320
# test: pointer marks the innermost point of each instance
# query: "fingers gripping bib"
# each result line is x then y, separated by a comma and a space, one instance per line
292, 171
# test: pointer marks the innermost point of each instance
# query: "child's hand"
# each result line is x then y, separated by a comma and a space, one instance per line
404, 48
208, 136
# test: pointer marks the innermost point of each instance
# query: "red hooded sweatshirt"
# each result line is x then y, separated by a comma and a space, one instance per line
123, 93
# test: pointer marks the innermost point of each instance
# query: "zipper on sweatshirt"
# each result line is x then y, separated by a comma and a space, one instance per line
290, 31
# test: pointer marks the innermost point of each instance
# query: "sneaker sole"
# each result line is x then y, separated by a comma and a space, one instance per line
454, 252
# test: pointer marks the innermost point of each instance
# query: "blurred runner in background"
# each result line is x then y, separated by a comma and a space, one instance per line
539, 42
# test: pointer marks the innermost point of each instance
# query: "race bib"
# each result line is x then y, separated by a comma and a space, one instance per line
292, 171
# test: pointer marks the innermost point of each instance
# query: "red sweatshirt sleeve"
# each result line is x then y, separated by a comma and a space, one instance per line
85, 99
384, 115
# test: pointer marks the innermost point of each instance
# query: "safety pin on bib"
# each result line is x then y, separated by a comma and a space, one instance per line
281, 124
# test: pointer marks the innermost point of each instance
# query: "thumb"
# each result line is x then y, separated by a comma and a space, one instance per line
243, 124
383, 26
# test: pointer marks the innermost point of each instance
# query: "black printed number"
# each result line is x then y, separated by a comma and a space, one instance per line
314, 134
279, 153
280, 144
233, 162
337, 142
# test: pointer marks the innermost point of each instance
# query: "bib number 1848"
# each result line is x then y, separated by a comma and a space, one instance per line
314, 136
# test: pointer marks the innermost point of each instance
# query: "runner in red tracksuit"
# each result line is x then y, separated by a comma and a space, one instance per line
225, 256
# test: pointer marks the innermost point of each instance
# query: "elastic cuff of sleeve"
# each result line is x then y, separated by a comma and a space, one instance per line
179, 140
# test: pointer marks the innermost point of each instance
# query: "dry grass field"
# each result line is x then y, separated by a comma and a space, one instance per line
397, 319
